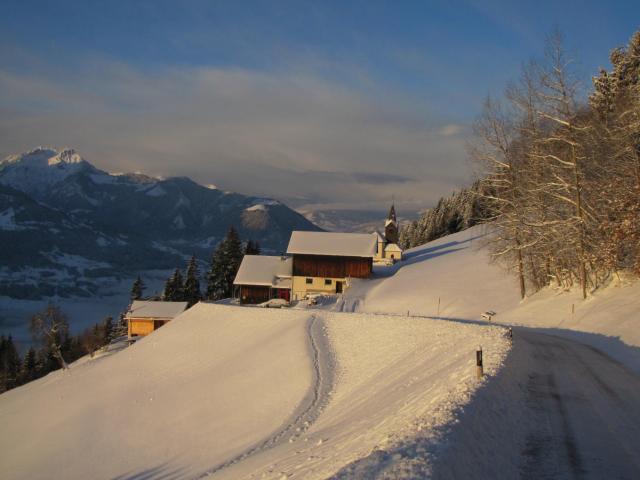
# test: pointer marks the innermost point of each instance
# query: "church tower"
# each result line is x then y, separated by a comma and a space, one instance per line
391, 226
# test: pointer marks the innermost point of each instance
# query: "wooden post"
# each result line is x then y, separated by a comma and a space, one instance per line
438, 315
479, 367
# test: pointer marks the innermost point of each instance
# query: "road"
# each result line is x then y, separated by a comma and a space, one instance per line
586, 408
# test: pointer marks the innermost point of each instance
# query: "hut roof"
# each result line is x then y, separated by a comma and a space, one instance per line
264, 270
155, 309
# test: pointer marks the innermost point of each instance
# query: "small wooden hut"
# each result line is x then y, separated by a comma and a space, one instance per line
145, 316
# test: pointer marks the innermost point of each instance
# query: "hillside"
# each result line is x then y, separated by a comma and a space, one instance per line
237, 391
242, 392
67, 227
456, 272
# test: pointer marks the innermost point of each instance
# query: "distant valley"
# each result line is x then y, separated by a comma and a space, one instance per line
71, 230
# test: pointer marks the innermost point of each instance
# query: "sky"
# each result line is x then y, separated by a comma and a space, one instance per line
321, 104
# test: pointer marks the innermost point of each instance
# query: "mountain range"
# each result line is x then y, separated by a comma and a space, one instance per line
66, 226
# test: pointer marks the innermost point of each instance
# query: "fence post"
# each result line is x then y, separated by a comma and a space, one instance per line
479, 368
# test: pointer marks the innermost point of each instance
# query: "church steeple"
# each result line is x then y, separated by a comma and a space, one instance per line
391, 226
392, 214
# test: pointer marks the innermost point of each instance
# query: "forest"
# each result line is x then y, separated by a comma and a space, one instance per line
559, 174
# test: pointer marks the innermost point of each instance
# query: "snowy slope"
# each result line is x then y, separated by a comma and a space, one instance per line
200, 390
456, 272
237, 392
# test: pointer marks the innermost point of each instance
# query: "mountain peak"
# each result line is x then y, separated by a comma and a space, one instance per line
37, 170
43, 156
66, 156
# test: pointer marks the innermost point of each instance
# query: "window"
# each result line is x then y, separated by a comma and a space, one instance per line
309, 281
327, 281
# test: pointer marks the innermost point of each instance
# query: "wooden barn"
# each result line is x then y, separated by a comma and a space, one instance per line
261, 278
324, 261
145, 316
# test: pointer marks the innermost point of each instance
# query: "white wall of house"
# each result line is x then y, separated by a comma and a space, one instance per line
323, 285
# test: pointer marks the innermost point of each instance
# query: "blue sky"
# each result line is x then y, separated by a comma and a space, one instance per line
290, 99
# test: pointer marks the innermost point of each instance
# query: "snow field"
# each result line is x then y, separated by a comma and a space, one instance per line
455, 270
394, 378
233, 392
200, 390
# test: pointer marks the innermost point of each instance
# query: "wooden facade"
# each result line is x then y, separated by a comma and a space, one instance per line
144, 326
252, 294
332, 266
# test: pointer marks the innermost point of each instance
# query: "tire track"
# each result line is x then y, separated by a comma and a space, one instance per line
311, 406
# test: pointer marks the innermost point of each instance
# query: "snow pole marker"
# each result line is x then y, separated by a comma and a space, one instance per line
479, 367
438, 315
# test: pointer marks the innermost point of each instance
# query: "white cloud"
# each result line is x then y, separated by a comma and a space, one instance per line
449, 130
288, 134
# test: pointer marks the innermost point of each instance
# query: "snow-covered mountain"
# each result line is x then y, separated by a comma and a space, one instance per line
65, 223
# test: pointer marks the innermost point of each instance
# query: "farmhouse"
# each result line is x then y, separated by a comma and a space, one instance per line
145, 316
261, 278
323, 262
316, 263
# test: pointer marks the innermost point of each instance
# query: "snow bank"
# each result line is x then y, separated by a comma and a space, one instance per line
200, 390
608, 320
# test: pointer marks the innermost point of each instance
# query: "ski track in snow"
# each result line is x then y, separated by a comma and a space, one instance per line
312, 405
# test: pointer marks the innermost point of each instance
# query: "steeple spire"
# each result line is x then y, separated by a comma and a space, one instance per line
392, 214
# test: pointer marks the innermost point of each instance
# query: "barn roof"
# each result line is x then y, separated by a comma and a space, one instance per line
155, 309
332, 243
264, 270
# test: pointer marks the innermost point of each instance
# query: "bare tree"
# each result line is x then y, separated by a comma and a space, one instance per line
50, 328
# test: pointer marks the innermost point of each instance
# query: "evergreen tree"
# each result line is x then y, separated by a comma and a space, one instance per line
174, 288
28, 371
252, 248
192, 293
107, 330
137, 289
225, 262
9, 364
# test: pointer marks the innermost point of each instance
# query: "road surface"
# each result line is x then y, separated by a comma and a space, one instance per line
587, 411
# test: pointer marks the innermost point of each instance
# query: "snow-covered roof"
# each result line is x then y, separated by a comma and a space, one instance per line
388, 221
392, 247
155, 309
264, 270
332, 243
378, 235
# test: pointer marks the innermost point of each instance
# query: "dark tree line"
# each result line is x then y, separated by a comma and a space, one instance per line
463, 209
562, 175
53, 347
224, 264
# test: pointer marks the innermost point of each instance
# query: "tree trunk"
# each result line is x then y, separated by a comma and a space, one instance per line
60, 358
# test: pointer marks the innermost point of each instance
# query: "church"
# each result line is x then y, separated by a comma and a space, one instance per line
316, 263
388, 251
